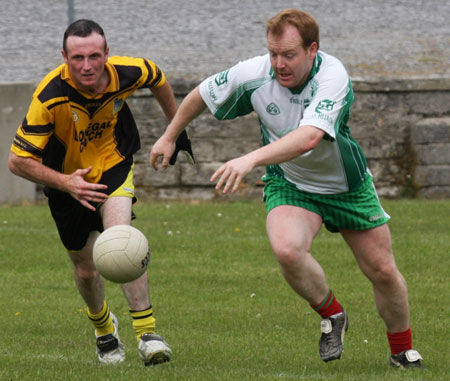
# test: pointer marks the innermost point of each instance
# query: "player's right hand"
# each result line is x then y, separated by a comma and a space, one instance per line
163, 147
84, 192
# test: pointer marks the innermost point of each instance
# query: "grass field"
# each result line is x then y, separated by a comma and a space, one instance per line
219, 299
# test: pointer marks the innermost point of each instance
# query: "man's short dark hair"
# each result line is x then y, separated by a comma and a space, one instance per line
82, 28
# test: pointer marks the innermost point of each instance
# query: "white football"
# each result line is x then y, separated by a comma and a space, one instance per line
121, 253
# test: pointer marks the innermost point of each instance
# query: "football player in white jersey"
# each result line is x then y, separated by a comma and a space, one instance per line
316, 173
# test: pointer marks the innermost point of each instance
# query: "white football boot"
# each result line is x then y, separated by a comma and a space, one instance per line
153, 349
110, 349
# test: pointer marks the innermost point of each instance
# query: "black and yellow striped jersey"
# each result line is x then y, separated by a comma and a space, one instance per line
68, 129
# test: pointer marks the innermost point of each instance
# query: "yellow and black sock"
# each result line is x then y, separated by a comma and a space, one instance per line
143, 322
102, 321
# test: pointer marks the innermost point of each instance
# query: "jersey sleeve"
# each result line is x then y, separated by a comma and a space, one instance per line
35, 131
228, 94
155, 76
330, 105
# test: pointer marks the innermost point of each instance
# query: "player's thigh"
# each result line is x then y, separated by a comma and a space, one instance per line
116, 211
292, 228
372, 249
82, 259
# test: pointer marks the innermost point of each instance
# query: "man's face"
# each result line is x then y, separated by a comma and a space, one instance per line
86, 58
290, 61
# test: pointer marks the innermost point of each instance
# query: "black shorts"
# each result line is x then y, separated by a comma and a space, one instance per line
73, 220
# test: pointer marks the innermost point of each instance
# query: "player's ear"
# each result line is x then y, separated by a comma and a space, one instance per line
63, 53
106, 53
312, 50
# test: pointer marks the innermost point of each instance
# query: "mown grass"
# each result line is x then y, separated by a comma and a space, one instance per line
219, 299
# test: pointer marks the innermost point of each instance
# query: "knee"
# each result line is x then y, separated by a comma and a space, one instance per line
386, 274
288, 255
85, 273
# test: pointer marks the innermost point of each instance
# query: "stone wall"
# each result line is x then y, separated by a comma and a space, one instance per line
14, 100
430, 138
402, 125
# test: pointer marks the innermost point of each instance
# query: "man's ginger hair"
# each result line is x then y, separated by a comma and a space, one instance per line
306, 25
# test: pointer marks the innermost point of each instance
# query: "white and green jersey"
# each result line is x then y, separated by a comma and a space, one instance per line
337, 164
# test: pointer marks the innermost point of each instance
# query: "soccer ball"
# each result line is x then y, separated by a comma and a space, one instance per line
121, 253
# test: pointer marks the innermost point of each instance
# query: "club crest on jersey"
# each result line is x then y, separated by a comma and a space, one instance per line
273, 109
118, 103
75, 116
325, 105
221, 78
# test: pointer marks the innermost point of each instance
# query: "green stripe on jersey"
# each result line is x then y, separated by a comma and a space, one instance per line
239, 103
352, 155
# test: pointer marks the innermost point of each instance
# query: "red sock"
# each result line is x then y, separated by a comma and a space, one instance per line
328, 307
400, 341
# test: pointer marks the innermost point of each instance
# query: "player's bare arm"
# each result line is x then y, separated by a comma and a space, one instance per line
166, 99
190, 108
74, 183
292, 145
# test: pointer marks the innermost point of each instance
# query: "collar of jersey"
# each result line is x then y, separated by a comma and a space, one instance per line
113, 79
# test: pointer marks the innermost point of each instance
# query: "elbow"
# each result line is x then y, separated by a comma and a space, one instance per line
12, 163
312, 143
314, 138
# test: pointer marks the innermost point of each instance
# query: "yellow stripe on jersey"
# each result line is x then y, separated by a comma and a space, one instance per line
70, 129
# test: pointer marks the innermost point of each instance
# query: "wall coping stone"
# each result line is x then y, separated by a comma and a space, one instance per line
431, 82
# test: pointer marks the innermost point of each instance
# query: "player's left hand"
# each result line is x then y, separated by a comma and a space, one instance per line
231, 173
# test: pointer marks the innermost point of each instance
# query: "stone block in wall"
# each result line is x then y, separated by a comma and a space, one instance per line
431, 130
145, 107
428, 154
433, 175
408, 84
198, 174
382, 147
381, 103
145, 175
427, 104
430, 139
435, 192
380, 126
221, 150
206, 125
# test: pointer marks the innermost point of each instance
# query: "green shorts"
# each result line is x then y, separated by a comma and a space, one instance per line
356, 210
